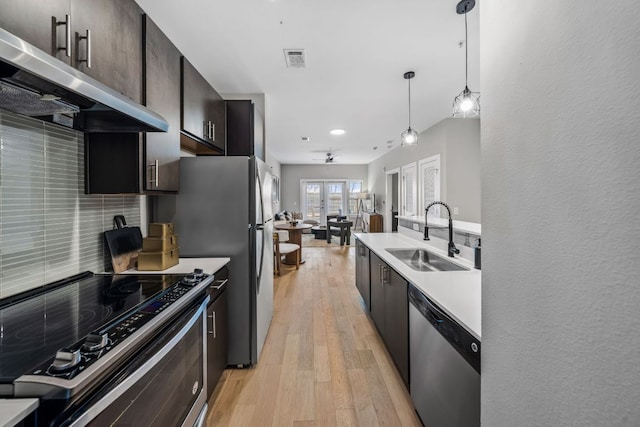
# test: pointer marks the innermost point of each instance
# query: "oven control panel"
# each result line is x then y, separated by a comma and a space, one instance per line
70, 362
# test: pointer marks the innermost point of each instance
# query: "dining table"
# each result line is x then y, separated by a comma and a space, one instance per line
295, 236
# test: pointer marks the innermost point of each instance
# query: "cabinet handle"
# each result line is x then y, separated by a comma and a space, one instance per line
205, 129
154, 180
380, 274
385, 275
86, 37
67, 24
217, 284
157, 172
212, 316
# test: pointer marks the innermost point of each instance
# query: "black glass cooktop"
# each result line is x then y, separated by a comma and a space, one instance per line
34, 327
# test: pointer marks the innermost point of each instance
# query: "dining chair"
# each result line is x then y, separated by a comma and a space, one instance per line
281, 248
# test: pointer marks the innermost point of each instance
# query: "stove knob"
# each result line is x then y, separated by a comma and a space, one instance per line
95, 342
198, 272
65, 359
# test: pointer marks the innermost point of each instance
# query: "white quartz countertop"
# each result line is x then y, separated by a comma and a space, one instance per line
459, 226
187, 265
12, 411
457, 293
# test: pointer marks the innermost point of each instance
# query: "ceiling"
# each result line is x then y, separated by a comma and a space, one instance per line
356, 54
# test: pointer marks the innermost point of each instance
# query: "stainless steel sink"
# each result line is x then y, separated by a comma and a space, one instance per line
423, 260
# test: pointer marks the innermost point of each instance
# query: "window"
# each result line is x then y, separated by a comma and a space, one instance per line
335, 198
409, 193
311, 201
430, 184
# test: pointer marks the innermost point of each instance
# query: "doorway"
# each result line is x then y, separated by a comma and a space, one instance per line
323, 197
392, 200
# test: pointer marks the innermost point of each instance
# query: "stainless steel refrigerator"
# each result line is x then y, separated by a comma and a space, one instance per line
223, 209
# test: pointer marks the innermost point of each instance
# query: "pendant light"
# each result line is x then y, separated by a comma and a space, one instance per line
409, 136
467, 103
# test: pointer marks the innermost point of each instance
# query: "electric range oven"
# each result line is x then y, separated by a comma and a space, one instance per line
109, 349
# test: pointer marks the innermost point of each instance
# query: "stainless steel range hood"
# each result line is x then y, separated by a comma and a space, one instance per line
36, 84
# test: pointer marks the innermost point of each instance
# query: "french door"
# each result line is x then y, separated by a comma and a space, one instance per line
323, 197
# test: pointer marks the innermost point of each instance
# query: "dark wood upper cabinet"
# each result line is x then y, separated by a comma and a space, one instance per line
114, 46
121, 163
35, 21
162, 95
112, 163
245, 129
203, 114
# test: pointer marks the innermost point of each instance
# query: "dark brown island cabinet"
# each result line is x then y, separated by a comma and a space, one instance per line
101, 38
390, 312
363, 283
202, 117
245, 129
134, 163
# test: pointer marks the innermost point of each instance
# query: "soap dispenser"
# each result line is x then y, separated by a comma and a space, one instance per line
476, 252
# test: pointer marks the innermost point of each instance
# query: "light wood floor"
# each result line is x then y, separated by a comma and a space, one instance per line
323, 363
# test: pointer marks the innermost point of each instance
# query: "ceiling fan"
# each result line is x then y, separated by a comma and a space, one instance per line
330, 158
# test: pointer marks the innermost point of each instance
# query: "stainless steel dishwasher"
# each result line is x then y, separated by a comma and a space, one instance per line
444, 366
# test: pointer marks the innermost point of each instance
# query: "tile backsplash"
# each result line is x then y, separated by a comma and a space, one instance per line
50, 229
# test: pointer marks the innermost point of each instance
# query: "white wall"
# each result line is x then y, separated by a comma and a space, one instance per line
458, 143
292, 174
560, 209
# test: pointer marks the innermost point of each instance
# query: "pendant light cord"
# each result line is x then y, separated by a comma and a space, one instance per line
409, 103
466, 50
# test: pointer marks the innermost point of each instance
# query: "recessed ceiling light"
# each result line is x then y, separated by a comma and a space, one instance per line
337, 131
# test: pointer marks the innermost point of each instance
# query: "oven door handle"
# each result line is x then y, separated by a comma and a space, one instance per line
120, 389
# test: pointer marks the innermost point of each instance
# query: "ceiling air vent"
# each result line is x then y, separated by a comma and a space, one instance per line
295, 58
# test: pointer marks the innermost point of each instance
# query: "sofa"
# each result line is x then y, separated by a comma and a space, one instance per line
285, 216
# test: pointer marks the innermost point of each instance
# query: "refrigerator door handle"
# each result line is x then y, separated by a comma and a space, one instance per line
260, 227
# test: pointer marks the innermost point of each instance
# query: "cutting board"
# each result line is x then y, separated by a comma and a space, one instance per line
124, 244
